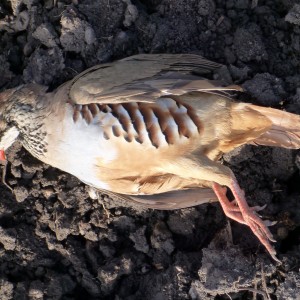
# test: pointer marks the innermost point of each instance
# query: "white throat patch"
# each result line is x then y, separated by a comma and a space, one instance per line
9, 137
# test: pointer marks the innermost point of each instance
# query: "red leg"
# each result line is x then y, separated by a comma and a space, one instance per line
242, 213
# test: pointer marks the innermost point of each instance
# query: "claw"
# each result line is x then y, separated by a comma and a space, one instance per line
270, 223
258, 208
244, 214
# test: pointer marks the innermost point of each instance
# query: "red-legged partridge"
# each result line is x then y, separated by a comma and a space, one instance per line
150, 128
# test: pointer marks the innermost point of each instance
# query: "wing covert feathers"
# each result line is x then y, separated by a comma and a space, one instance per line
144, 78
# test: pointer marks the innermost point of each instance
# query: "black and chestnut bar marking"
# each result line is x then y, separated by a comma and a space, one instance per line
134, 118
117, 110
194, 117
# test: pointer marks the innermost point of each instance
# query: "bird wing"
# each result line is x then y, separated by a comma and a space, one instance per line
169, 200
144, 78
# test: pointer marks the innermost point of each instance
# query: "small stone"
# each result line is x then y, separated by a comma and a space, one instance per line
46, 34
139, 239
48, 192
16, 171
21, 193
36, 290
7, 238
89, 35
161, 238
293, 15
109, 274
92, 192
6, 290
76, 34
131, 13
22, 21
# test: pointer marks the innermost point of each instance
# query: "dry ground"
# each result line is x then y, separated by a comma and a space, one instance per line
58, 243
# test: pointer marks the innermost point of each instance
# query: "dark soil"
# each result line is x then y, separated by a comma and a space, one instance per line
58, 240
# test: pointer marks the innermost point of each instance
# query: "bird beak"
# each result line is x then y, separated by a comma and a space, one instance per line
2, 156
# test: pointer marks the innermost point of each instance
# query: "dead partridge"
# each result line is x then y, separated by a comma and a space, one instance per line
150, 128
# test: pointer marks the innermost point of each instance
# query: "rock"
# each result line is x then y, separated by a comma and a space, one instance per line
21, 193
44, 66
8, 238
139, 239
248, 44
46, 35
266, 89
293, 15
76, 33
161, 238
131, 13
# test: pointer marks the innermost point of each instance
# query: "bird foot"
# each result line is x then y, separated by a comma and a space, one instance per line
239, 211
234, 205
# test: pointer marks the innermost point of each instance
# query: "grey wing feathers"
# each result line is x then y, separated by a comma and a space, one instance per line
176, 199
169, 200
143, 78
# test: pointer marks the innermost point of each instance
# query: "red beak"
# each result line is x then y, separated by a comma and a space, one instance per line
2, 155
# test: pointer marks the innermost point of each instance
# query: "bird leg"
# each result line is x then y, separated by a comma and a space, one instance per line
244, 214
204, 169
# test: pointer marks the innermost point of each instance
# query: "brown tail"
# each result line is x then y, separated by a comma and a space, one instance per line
284, 131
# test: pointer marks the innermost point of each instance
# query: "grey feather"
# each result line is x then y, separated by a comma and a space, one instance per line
144, 78
169, 200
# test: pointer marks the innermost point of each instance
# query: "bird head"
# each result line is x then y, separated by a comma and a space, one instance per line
8, 132
18, 107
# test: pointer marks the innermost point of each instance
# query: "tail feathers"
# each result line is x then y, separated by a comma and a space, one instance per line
284, 131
